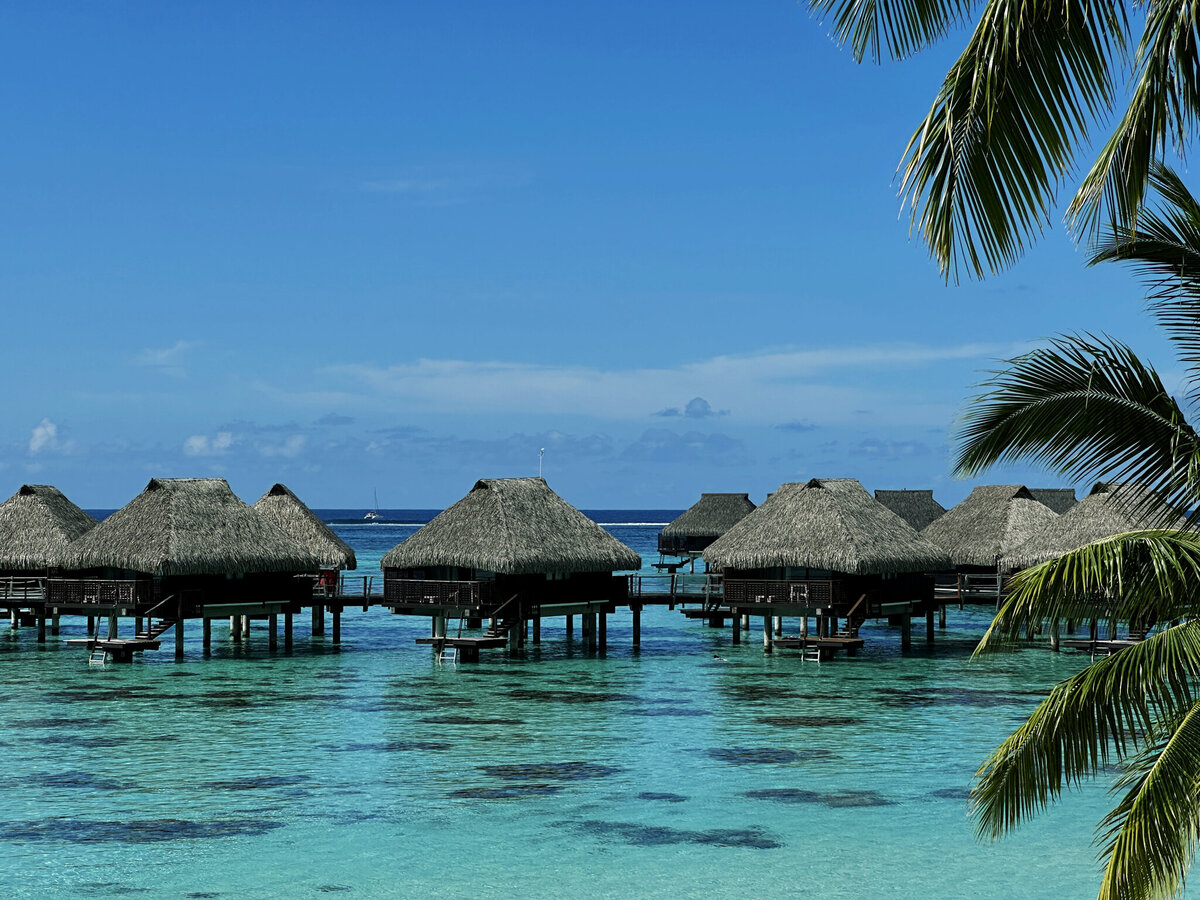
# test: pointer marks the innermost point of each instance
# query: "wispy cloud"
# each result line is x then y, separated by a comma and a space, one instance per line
762, 386
169, 360
448, 184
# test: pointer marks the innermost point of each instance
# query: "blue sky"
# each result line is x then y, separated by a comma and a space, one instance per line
401, 246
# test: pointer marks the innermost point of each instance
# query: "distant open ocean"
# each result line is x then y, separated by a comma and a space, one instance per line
369, 770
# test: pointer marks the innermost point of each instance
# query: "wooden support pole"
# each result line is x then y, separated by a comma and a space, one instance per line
804, 625
246, 628
54, 623
91, 625
112, 626
537, 629
179, 637
273, 631
206, 634
929, 633
1070, 626
235, 628
337, 626
942, 616
14, 618
767, 642
636, 609
736, 631
1094, 631
603, 617
905, 632
287, 631
570, 626
41, 620
137, 625
745, 621
778, 623
1054, 636
514, 636
318, 620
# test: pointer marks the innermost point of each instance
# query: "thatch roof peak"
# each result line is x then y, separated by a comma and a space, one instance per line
37, 523
825, 523
1109, 508
513, 526
289, 512
916, 507
710, 516
1058, 499
190, 526
992, 521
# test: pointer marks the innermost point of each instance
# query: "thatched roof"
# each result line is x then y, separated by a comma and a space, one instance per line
917, 508
1108, 509
290, 513
710, 516
830, 523
1058, 499
36, 525
993, 521
513, 526
190, 526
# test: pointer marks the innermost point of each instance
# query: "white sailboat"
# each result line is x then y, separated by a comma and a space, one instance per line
373, 514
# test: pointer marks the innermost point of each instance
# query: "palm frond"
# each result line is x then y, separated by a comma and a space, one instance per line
1071, 736
898, 28
1089, 409
1165, 250
1150, 838
980, 173
1162, 112
1141, 577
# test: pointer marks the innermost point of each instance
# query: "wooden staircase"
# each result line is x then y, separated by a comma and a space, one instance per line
156, 628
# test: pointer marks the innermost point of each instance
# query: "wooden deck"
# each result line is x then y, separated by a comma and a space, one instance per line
120, 649
825, 646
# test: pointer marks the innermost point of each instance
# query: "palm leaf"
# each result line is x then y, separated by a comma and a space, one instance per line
1088, 409
904, 26
1165, 250
1142, 577
1073, 733
1162, 111
1150, 838
981, 171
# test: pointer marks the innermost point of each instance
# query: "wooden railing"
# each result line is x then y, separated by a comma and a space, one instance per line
22, 590
680, 585
814, 594
417, 592
98, 592
364, 586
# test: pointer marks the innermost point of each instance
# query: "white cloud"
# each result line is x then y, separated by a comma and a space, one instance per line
44, 437
203, 445
168, 359
762, 387
290, 448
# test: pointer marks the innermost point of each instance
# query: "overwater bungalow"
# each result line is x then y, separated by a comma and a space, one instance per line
291, 514
916, 507
37, 523
512, 551
1058, 499
702, 523
184, 548
1109, 508
826, 548
980, 531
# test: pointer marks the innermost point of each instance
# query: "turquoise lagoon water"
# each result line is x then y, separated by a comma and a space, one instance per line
370, 770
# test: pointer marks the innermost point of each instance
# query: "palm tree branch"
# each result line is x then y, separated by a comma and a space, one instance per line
1150, 838
1087, 408
980, 172
1072, 734
1162, 111
897, 28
